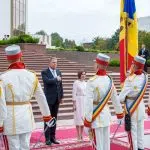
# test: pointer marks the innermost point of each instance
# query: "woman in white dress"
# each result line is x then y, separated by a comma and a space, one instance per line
78, 94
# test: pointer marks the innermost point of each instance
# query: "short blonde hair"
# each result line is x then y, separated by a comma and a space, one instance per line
51, 58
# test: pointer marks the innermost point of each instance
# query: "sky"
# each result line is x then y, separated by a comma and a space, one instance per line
79, 20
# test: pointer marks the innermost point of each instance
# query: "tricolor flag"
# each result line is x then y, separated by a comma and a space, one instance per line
128, 40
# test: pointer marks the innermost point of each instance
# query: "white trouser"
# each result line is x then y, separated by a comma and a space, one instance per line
19, 142
137, 134
102, 138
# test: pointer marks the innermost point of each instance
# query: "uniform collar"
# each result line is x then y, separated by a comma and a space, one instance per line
17, 65
101, 72
138, 72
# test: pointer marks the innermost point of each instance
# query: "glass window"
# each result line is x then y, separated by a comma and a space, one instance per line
21, 17
22, 1
17, 5
14, 3
17, 19
14, 17
21, 7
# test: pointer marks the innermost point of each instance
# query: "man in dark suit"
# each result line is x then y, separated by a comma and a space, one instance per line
145, 54
53, 90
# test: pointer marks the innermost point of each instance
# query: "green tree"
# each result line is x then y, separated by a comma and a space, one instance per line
100, 43
144, 38
109, 44
80, 48
57, 40
95, 42
41, 32
115, 40
69, 43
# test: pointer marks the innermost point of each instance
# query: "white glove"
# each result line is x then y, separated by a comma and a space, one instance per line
51, 123
120, 121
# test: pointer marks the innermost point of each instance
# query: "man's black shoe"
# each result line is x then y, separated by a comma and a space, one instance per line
48, 143
54, 141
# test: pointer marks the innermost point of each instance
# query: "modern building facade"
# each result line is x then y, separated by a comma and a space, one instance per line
13, 14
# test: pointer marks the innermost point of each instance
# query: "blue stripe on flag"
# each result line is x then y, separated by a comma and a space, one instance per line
129, 7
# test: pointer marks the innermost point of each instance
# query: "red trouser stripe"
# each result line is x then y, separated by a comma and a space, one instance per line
130, 140
94, 139
5, 142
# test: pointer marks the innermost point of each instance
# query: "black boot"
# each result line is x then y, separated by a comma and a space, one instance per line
140, 149
53, 140
48, 143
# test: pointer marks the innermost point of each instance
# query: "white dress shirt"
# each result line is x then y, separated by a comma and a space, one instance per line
53, 71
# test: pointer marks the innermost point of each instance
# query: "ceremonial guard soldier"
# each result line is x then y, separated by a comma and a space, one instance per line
100, 89
132, 95
18, 86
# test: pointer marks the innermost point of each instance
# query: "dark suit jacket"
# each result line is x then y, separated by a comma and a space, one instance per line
146, 53
53, 89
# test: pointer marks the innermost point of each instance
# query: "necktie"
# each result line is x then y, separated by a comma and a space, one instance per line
143, 51
54, 74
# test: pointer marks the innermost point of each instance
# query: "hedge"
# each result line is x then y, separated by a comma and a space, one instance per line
81, 49
19, 39
114, 63
148, 62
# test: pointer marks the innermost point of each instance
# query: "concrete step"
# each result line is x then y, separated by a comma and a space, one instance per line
66, 100
61, 116
61, 110
64, 105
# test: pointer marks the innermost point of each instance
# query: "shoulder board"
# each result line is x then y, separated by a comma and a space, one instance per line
35, 74
32, 71
93, 78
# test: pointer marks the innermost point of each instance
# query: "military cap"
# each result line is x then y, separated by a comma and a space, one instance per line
102, 59
13, 52
139, 61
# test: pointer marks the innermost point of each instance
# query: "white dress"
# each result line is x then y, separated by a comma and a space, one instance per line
78, 93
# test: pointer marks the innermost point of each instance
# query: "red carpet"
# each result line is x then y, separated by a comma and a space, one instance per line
67, 138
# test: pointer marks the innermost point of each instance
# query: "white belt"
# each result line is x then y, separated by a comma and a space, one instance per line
80, 95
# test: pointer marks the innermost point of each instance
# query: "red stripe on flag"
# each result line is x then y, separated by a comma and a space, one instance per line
125, 60
130, 59
122, 60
